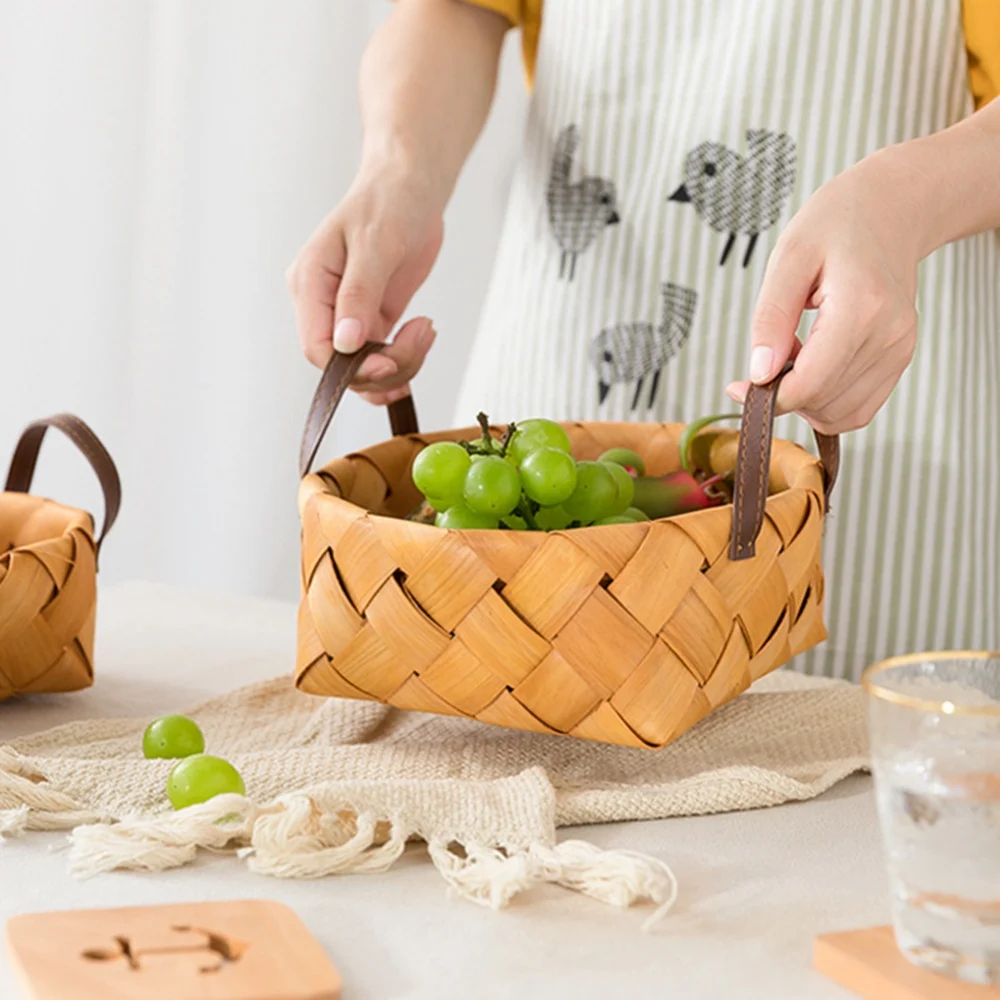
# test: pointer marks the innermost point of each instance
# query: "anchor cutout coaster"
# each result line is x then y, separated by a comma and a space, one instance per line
241, 950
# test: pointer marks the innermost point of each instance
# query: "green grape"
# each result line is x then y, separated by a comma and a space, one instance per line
514, 522
172, 736
629, 460
531, 435
492, 486
548, 476
440, 505
509, 459
625, 484
635, 514
595, 494
552, 518
200, 778
440, 469
461, 517
614, 519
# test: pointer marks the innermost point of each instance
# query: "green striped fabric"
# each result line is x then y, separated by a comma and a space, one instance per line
912, 548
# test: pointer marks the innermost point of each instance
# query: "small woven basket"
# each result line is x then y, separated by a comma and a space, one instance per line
625, 634
48, 568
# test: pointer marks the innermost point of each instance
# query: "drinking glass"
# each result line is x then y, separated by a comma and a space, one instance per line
934, 721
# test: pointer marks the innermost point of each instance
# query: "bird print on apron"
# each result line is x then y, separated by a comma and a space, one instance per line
707, 124
740, 194
578, 211
629, 352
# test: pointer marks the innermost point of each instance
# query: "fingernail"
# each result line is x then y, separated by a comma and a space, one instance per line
427, 337
376, 368
348, 335
395, 395
761, 363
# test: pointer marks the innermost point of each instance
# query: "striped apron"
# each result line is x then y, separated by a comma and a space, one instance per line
668, 141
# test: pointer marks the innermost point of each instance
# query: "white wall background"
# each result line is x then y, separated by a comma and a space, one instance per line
160, 164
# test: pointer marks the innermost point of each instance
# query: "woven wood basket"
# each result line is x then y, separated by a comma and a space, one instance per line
48, 569
625, 634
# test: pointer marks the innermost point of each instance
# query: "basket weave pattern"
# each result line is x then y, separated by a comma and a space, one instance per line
48, 569
47, 596
626, 634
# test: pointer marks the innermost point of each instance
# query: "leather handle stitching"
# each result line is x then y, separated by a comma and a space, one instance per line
763, 470
758, 423
336, 394
338, 390
327, 397
739, 498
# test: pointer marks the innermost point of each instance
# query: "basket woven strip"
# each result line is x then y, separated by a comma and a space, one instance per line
47, 596
625, 634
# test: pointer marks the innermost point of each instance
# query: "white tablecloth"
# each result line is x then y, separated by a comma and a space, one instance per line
755, 888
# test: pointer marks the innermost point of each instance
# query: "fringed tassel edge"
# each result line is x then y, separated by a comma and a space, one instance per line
29, 802
295, 838
492, 877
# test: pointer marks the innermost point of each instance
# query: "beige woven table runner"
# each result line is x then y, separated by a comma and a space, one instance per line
342, 786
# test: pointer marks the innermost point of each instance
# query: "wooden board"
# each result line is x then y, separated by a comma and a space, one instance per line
240, 950
869, 963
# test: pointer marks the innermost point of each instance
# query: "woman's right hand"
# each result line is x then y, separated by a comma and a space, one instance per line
357, 273
427, 80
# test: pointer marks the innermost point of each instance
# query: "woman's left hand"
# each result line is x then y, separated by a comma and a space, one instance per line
851, 253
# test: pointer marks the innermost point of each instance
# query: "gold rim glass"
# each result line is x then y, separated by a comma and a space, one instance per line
880, 681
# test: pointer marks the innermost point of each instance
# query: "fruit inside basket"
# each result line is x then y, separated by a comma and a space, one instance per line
526, 477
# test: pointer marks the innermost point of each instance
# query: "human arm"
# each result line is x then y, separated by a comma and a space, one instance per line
852, 252
426, 85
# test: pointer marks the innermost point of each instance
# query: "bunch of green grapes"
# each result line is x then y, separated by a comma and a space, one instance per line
528, 481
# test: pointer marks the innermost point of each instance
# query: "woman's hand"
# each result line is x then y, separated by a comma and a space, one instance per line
357, 273
851, 253
427, 80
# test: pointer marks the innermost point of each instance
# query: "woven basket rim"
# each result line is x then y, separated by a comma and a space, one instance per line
316, 478
77, 519
327, 495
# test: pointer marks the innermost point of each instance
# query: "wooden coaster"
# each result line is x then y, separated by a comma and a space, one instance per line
869, 963
240, 950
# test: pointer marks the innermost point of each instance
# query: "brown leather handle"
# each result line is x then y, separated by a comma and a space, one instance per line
332, 385
22, 464
753, 464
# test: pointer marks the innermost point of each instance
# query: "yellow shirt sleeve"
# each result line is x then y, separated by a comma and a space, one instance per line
980, 19
981, 22
523, 14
